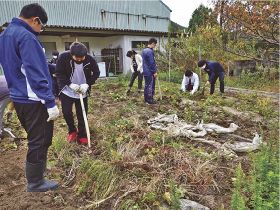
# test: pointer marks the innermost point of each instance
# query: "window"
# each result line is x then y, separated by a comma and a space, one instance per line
49, 47
67, 45
138, 45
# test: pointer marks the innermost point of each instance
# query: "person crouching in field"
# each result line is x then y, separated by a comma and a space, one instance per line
136, 69
76, 71
214, 71
190, 82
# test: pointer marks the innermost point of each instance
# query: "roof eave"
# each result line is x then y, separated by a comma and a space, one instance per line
62, 30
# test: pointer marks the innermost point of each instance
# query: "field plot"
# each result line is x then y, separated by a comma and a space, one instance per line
134, 166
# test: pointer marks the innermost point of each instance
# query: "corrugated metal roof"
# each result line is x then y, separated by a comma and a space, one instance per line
102, 29
133, 15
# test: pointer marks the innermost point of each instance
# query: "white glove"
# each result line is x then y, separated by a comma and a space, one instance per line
84, 88
75, 87
192, 92
53, 113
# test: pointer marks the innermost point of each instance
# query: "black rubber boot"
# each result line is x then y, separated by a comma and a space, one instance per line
35, 180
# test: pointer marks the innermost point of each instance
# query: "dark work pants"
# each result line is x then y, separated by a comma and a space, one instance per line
55, 89
33, 117
67, 105
149, 90
134, 76
221, 76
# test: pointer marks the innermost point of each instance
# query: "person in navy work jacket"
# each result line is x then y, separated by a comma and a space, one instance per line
149, 71
214, 71
29, 82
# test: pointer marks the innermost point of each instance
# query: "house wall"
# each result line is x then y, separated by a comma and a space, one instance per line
127, 46
98, 17
96, 44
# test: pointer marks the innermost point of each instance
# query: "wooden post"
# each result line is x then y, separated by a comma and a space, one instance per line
169, 60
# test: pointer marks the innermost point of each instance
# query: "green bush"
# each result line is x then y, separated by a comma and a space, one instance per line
260, 189
254, 80
176, 76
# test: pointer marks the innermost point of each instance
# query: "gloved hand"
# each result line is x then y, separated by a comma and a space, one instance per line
84, 88
75, 87
192, 92
53, 113
155, 75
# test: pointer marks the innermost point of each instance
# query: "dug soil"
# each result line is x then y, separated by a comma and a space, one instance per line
13, 193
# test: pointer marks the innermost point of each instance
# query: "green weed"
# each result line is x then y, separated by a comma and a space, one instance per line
97, 178
61, 152
261, 187
238, 199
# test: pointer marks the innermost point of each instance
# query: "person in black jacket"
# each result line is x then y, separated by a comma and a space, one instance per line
76, 71
55, 91
51, 66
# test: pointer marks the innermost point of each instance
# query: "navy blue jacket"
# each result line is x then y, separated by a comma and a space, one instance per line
25, 66
213, 69
149, 63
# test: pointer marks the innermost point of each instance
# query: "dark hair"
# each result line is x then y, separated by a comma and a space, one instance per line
201, 63
34, 10
55, 52
188, 73
152, 40
78, 49
130, 53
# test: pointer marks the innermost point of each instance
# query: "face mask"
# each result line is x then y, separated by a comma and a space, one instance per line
55, 57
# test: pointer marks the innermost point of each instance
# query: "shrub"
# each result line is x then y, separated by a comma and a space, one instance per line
261, 186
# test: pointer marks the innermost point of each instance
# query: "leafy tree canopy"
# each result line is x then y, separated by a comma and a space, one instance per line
175, 27
254, 23
201, 16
